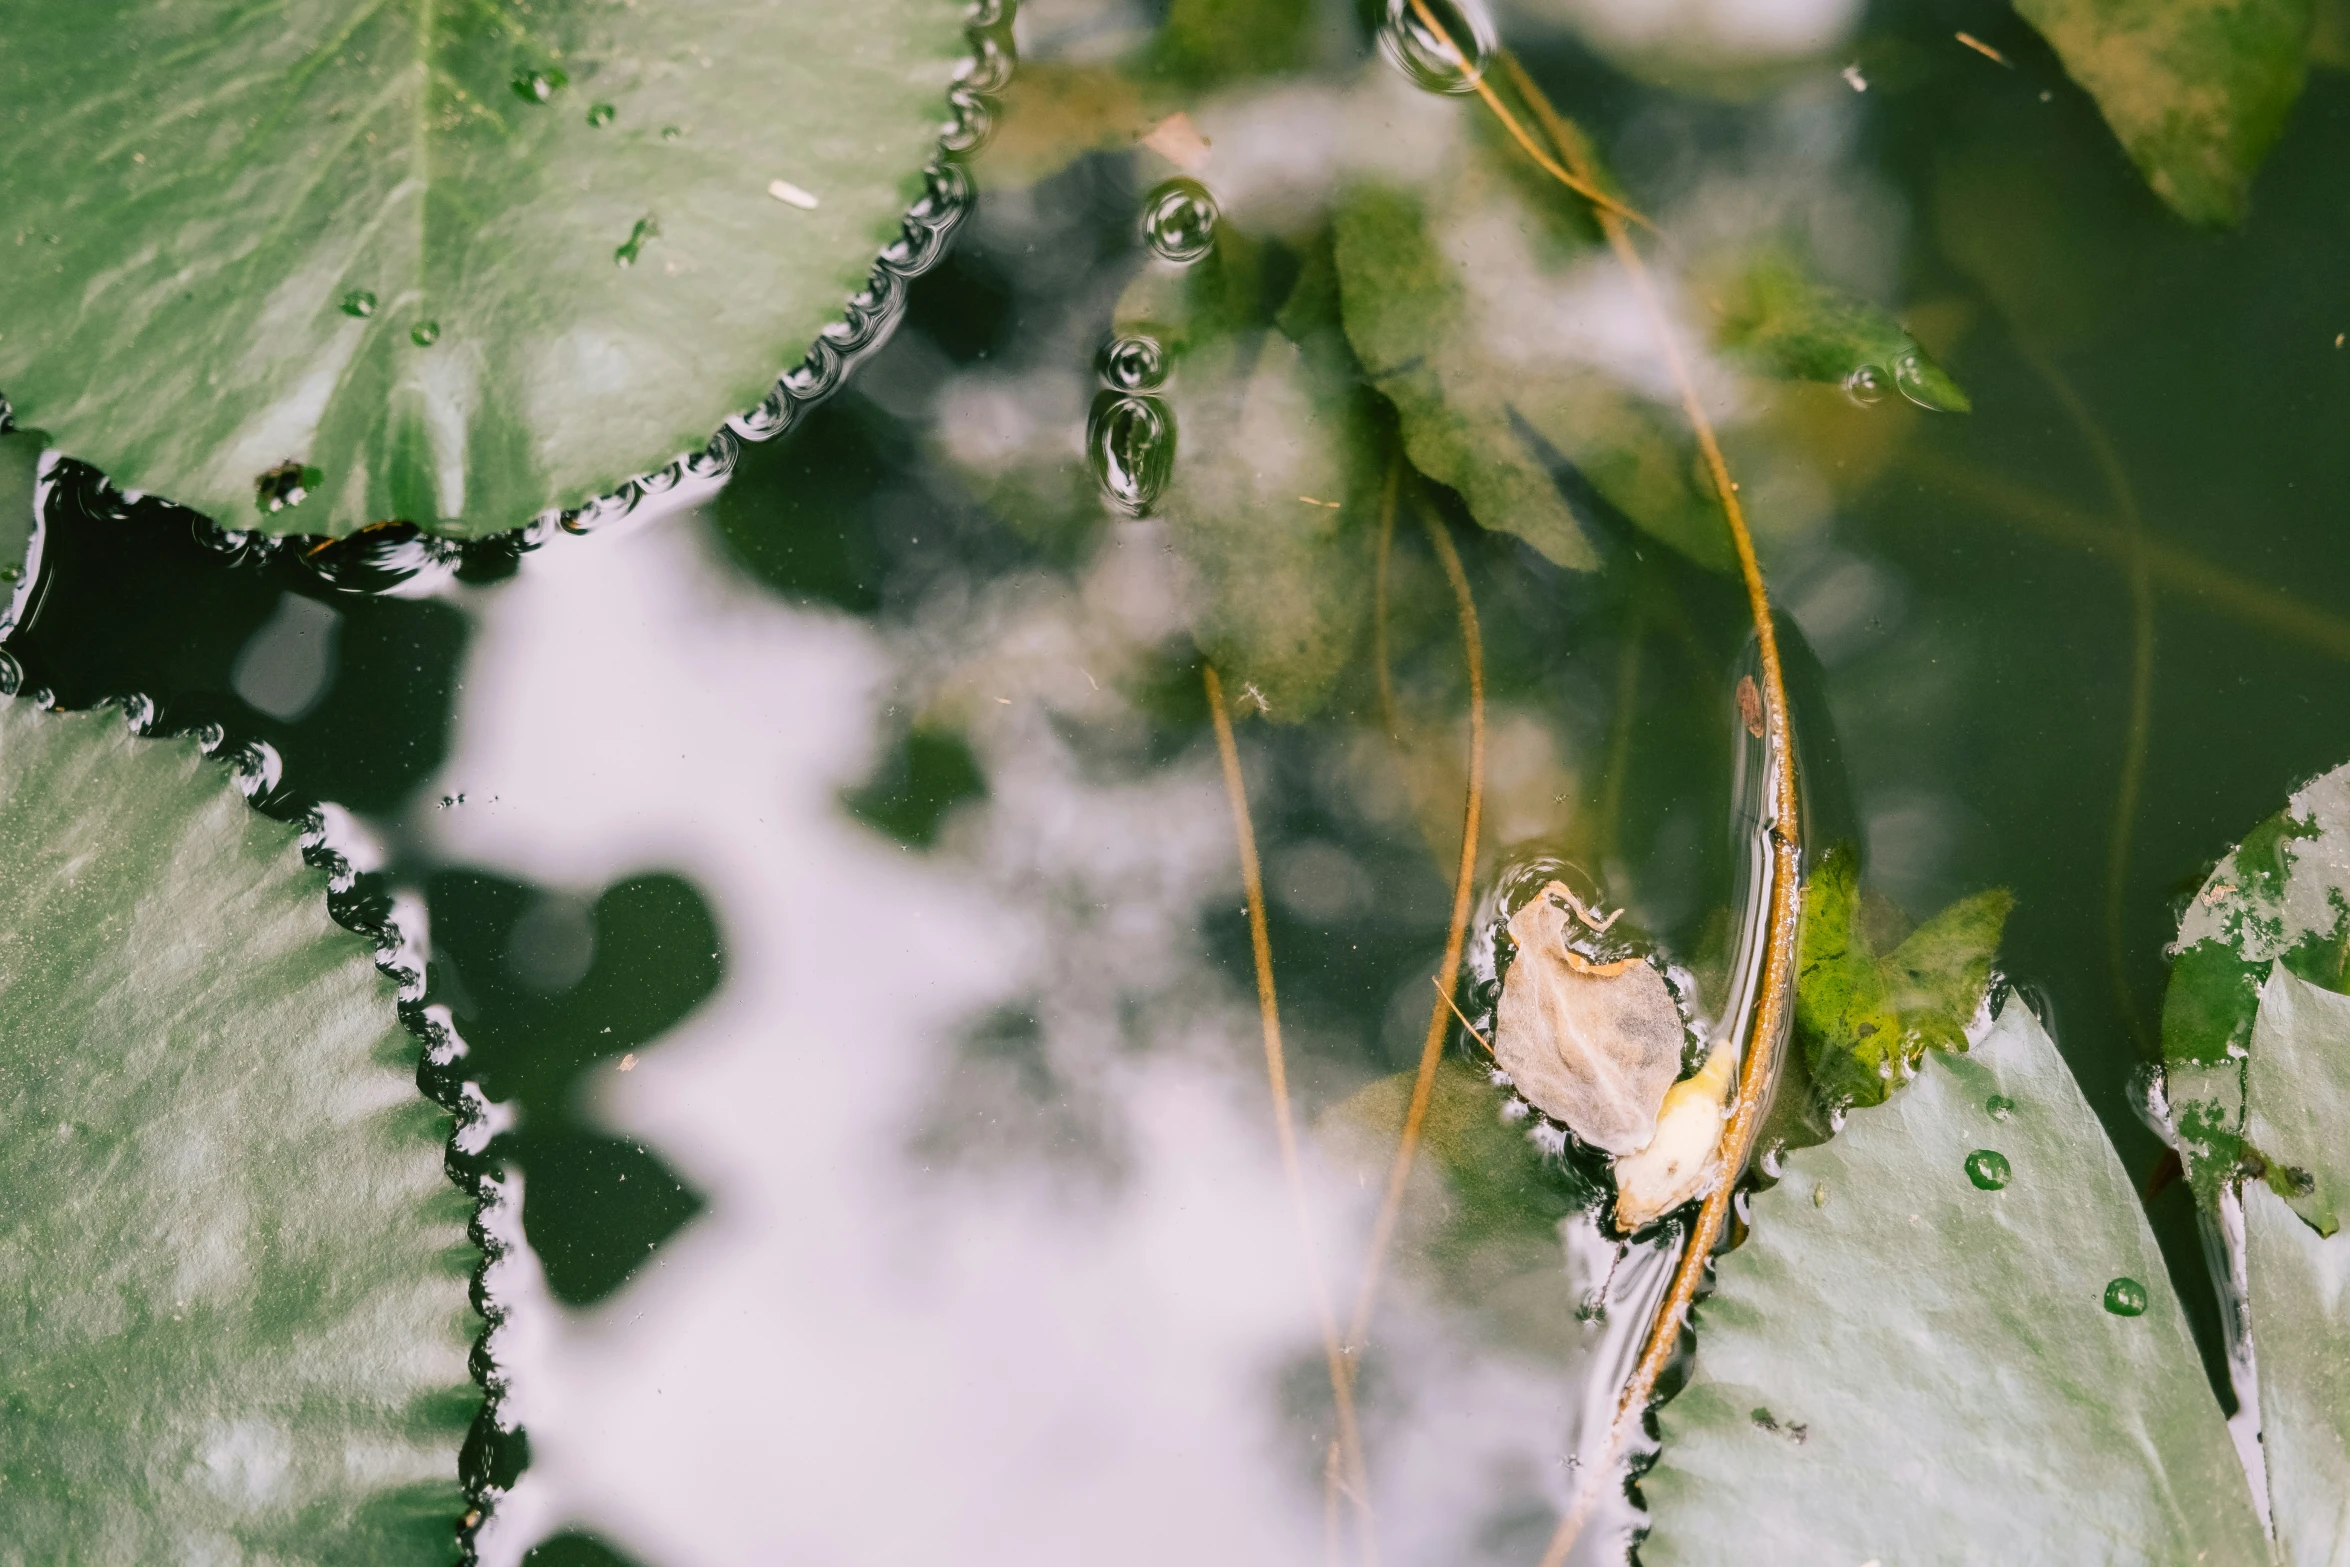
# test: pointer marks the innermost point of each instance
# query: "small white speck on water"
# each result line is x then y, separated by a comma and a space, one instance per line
791, 195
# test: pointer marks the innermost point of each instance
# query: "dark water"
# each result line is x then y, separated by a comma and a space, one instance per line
833, 882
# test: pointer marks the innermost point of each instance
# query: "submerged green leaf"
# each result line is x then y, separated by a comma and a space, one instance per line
468, 263
1204, 44
1482, 1221
1275, 480
1789, 325
1442, 289
2196, 90
235, 1267
1900, 1358
1863, 1021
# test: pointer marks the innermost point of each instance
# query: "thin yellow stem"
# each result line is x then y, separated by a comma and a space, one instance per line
1284, 1126
1464, 885
1578, 182
1759, 1069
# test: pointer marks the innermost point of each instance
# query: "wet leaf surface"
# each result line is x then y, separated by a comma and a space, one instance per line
237, 1268
1962, 1389
1864, 1020
386, 243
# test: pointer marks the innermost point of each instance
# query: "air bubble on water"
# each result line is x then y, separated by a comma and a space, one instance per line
11, 674
2125, 1297
359, 302
1909, 374
1179, 221
1988, 1169
1448, 58
647, 227
601, 115
425, 333
539, 84
1867, 386
1134, 364
2000, 1106
1130, 443
208, 736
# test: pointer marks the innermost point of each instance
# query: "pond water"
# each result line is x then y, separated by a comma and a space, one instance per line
834, 883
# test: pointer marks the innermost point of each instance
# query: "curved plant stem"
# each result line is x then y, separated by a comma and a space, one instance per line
1578, 181
1758, 1071
2174, 570
2138, 569
1284, 1126
1387, 494
1464, 884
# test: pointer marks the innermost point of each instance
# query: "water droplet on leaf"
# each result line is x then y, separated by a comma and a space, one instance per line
2125, 1298
1909, 373
647, 227
1867, 385
359, 302
1130, 441
1180, 220
1449, 58
1134, 364
425, 333
601, 115
1988, 1169
539, 84
2000, 1106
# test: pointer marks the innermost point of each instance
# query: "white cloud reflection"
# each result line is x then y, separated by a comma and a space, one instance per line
877, 1344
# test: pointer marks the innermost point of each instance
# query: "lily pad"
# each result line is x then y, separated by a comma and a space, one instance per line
2282, 896
2196, 90
235, 1267
1914, 1348
447, 265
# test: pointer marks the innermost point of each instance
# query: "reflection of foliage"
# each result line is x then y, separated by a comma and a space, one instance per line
917, 786
644, 956
1863, 1020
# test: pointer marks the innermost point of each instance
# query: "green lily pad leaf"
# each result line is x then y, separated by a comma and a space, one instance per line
465, 264
1788, 325
20, 482
1275, 486
1460, 300
1864, 1021
2196, 90
2281, 897
1904, 1353
236, 1270
2256, 1032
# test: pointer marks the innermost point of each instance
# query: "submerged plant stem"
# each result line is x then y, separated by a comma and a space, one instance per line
1758, 1071
2139, 571
1387, 495
1284, 1125
2167, 565
1456, 934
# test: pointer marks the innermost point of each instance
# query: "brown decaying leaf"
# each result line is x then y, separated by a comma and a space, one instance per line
1592, 1046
